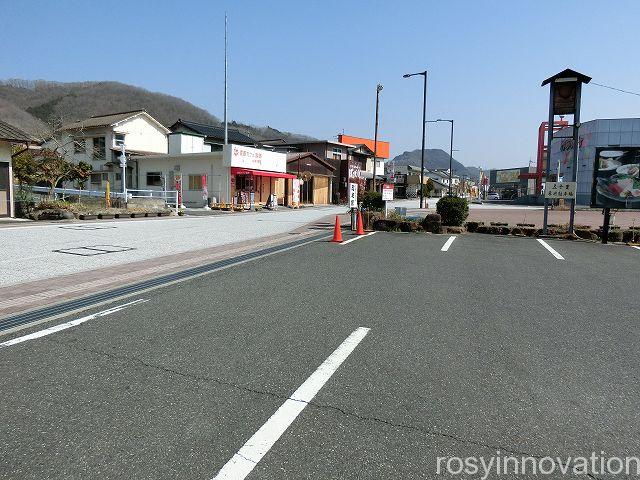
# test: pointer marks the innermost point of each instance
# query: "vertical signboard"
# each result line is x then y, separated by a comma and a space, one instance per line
353, 195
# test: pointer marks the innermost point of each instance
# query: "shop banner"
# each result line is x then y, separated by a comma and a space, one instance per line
295, 194
616, 178
508, 176
205, 192
254, 158
178, 187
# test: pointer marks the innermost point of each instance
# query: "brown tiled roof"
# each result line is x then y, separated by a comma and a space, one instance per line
101, 120
10, 133
294, 157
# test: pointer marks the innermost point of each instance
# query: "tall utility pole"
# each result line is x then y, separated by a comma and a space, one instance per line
424, 120
226, 125
450, 149
375, 137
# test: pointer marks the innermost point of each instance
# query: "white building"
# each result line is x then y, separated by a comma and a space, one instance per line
201, 176
98, 141
9, 135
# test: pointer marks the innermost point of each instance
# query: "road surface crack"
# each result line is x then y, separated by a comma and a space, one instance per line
365, 418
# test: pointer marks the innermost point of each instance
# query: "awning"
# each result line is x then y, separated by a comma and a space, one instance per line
259, 173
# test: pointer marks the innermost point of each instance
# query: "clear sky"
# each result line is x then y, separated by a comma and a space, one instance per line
312, 66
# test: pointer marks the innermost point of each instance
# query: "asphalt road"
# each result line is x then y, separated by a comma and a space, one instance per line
508, 349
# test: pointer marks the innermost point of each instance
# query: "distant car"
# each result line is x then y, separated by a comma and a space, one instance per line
494, 196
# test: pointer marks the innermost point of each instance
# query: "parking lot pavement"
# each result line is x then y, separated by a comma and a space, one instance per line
508, 349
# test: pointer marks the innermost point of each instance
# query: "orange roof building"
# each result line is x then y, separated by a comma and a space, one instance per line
383, 147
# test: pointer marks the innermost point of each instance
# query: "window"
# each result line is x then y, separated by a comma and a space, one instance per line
154, 179
337, 153
195, 182
119, 140
79, 145
96, 179
99, 152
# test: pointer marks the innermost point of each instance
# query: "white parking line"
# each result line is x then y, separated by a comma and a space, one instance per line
445, 247
551, 250
64, 326
633, 246
243, 462
356, 238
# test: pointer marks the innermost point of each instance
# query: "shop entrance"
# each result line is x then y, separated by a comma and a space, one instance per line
5, 193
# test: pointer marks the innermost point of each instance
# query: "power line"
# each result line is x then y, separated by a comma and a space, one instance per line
616, 89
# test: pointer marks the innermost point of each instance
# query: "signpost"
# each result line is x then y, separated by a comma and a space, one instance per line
564, 99
353, 202
387, 194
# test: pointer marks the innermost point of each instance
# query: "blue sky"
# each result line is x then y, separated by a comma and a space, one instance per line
312, 66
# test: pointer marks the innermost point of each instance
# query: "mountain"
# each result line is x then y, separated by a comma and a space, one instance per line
434, 158
37, 106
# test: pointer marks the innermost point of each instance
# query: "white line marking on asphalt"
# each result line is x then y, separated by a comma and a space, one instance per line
551, 250
356, 238
445, 247
243, 462
64, 326
633, 246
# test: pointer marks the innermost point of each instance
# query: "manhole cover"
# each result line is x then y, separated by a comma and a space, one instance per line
93, 250
87, 227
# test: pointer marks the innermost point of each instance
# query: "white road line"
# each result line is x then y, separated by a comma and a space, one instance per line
447, 244
64, 326
633, 246
356, 238
243, 462
551, 250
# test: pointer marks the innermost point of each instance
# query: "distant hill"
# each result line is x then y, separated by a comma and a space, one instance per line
435, 158
36, 106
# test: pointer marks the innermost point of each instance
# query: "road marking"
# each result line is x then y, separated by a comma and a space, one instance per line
243, 462
633, 246
447, 244
64, 326
551, 250
356, 238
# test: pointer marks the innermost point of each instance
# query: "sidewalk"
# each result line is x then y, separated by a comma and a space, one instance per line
37, 294
36, 251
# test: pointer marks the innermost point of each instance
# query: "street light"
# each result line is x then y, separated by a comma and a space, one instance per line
450, 148
375, 138
424, 118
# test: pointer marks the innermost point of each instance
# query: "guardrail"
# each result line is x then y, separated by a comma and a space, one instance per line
170, 197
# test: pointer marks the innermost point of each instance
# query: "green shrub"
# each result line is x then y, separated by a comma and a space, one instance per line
525, 225
615, 235
473, 226
55, 205
453, 210
529, 232
505, 230
372, 201
432, 223
517, 231
482, 229
585, 234
499, 224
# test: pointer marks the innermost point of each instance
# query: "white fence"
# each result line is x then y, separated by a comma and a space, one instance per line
169, 197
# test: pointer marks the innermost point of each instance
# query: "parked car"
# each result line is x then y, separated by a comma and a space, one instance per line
494, 196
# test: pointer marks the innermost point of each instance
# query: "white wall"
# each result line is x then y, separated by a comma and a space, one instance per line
142, 134
5, 156
185, 143
209, 164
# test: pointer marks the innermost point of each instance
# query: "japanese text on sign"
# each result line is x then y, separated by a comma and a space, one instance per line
560, 190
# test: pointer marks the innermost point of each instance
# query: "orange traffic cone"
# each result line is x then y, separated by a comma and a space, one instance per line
337, 233
360, 229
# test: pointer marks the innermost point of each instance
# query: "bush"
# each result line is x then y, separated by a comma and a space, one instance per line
453, 210
525, 225
630, 236
473, 226
516, 231
482, 229
585, 234
385, 225
432, 223
529, 232
372, 201
504, 230
499, 224
615, 235
55, 205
